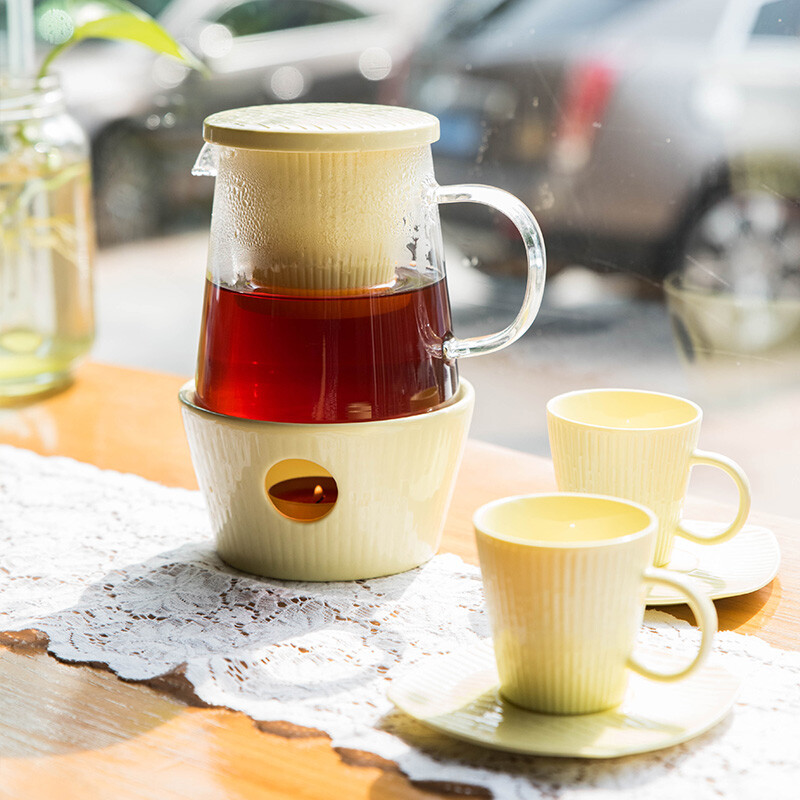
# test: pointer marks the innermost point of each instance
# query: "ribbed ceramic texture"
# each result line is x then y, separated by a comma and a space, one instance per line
649, 467
395, 479
321, 127
458, 695
742, 565
564, 620
316, 221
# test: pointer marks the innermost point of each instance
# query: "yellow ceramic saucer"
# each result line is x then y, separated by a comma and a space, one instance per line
458, 695
742, 565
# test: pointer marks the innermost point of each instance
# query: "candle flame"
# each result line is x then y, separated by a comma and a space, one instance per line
319, 494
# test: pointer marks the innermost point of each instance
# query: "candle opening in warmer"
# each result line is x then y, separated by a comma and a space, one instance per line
303, 499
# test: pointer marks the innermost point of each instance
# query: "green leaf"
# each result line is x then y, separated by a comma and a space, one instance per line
115, 19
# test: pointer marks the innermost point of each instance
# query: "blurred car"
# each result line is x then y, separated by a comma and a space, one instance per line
644, 134
144, 113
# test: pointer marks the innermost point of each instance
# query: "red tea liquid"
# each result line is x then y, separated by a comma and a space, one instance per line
326, 358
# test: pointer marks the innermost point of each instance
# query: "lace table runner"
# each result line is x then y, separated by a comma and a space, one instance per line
118, 570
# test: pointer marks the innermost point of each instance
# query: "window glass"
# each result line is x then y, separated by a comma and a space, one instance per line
661, 161
659, 155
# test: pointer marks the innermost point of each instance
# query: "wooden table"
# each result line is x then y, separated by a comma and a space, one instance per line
79, 732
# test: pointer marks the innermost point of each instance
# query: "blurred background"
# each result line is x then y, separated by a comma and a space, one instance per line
656, 141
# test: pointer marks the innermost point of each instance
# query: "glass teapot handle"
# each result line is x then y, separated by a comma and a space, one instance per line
526, 224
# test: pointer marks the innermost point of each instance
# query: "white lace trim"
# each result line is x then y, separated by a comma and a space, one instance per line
118, 570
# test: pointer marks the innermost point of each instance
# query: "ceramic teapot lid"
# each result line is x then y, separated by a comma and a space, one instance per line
321, 127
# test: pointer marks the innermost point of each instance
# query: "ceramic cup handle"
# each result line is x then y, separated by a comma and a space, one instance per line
526, 224
743, 486
704, 612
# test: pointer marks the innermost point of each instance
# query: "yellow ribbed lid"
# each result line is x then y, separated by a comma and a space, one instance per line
321, 127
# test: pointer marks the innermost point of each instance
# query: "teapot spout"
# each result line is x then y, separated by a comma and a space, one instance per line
207, 162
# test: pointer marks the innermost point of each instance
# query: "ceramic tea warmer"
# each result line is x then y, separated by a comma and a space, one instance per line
327, 419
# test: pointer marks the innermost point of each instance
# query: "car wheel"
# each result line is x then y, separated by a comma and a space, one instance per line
746, 244
127, 197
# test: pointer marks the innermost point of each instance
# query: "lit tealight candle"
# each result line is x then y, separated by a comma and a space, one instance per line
304, 499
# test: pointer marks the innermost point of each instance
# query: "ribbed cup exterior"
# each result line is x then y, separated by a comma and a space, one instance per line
317, 221
564, 620
650, 467
395, 479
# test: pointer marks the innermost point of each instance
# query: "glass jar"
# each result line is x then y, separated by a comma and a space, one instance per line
46, 239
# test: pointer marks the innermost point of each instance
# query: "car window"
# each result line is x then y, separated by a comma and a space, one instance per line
460, 19
781, 18
266, 16
661, 22
152, 7
465, 18
558, 18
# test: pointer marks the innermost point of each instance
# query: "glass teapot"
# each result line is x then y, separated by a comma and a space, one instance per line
326, 298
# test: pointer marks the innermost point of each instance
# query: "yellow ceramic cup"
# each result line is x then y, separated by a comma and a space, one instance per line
640, 446
565, 577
